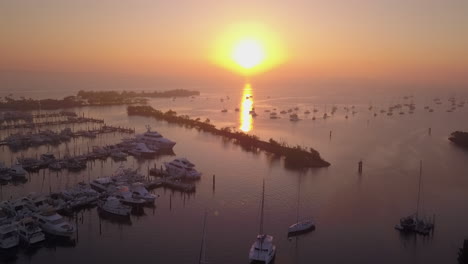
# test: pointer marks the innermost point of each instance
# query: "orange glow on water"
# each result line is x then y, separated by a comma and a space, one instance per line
245, 118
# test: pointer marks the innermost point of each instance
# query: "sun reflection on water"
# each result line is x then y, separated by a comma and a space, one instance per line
246, 120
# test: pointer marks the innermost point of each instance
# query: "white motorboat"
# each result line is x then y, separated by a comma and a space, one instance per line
29, 231
140, 192
141, 150
118, 155
126, 197
54, 224
263, 249
114, 206
19, 208
4, 173
38, 202
9, 237
101, 184
154, 140
181, 167
17, 171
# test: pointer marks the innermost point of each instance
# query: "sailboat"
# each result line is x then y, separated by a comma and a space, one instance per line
300, 227
262, 249
413, 223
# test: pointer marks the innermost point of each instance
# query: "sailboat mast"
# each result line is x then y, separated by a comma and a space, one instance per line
419, 189
263, 204
298, 199
201, 258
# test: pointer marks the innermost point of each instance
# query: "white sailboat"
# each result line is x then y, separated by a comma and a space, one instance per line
262, 250
300, 227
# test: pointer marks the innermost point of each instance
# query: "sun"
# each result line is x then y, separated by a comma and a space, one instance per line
248, 53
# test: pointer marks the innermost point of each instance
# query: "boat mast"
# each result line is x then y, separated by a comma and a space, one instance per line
298, 199
419, 189
201, 257
263, 203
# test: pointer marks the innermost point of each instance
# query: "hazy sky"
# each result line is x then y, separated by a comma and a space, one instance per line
403, 40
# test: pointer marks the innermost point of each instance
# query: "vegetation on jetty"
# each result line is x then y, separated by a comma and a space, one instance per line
460, 138
295, 156
101, 97
89, 98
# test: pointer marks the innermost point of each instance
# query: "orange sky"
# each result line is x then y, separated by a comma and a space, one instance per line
397, 39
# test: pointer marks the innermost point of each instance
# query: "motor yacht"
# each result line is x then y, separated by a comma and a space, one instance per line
140, 192
29, 231
17, 171
101, 184
154, 140
114, 206
54, 224
9, 237
181, 167
126, 197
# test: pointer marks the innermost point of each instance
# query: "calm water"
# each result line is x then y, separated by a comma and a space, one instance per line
354, 213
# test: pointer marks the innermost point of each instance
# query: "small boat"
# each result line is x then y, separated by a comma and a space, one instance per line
54, 224
294, 118
101, 184
29, 231
237, 109
224, 110
114, 206
56, 166
9, 237
126, 197
140, 192
118, 155
301, 227
181, 167
17, 171
413, 223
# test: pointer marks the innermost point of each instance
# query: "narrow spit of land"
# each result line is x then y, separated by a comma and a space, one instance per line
90, 98
297, 157
460, 138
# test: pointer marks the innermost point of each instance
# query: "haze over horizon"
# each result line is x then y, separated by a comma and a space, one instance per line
386, 44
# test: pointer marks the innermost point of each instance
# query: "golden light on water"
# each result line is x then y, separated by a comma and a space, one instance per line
245, 118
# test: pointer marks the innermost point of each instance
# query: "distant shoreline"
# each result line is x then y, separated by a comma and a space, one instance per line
296, 157
89, 98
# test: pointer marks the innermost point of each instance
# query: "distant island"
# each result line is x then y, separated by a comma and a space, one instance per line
460, 138
90, 98
295, 156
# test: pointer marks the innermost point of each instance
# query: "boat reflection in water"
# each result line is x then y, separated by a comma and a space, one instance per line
246, 120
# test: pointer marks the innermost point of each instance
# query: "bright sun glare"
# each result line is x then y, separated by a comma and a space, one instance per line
248, 53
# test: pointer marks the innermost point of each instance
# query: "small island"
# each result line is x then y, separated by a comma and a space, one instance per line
460, 138
90, 98
297, 157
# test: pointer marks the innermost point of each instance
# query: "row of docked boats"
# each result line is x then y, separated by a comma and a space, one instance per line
29, 218
145, 145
